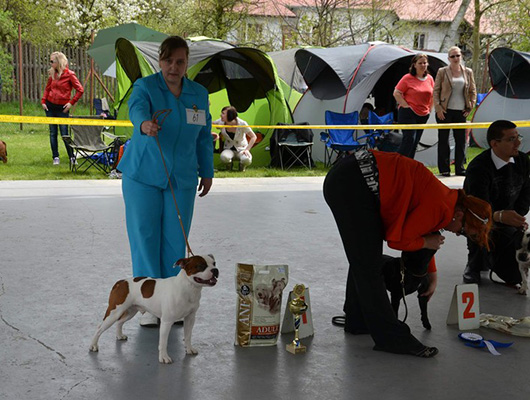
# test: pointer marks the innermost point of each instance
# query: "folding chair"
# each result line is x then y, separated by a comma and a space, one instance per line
102, 109
90, 149
385, 139
341, 141
292, 147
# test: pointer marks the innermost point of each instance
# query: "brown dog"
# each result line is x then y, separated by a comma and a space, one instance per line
3, 151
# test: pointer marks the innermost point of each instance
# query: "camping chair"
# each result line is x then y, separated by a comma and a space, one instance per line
387, 140
102, 109
292, 147
339, 142
90, 149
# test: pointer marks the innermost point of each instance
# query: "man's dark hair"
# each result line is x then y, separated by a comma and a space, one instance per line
497, 128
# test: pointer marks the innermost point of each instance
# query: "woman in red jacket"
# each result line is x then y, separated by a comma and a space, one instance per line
376, 196
56, 100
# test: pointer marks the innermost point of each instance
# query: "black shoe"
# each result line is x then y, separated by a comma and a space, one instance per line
446, 174
341, 321
461, 173
425, 352
471, 276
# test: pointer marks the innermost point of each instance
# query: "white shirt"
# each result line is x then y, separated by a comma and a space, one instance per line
499, 163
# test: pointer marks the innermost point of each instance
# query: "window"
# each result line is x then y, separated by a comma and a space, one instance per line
419, 41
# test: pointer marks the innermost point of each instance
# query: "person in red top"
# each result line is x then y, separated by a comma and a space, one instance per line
414, 95
56, 100
376, 196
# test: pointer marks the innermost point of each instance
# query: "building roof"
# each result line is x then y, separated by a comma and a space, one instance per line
406, 10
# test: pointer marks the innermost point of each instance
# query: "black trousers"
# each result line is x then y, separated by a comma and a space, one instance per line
411, 137
356, 212
501, 258
444, 151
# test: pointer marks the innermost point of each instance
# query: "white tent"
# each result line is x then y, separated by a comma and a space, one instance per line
341, 79
510, 95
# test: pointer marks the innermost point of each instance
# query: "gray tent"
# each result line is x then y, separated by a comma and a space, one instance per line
509, 97
341, 79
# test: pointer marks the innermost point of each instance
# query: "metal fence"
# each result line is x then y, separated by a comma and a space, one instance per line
35, 65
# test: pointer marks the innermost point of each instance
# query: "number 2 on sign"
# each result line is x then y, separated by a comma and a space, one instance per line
469, 298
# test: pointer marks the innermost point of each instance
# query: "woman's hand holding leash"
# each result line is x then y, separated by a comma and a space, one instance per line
150, 128
433, 241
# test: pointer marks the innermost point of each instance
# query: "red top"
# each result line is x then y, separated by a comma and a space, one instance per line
58, 91
417, 93
414, 202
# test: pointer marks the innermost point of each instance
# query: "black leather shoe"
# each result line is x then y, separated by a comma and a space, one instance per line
471, 276
461, 173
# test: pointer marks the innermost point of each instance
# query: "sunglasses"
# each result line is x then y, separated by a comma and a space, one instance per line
52, 61
455, 56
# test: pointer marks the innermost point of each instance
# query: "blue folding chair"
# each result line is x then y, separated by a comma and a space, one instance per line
382, 137
341, 141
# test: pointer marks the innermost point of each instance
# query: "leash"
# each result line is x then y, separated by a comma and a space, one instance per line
164, 114
402, 271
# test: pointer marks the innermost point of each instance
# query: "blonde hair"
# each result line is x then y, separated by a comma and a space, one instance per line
62, 63
454, 48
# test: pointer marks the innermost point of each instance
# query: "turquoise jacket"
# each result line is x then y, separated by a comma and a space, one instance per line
187, 147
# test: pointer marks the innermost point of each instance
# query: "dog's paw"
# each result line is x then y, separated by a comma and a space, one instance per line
522, 291
191, 351
94, 348
122, 337
164, 359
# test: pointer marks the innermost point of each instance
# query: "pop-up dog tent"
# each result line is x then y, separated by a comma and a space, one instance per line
509, 97
341, 79
243, 77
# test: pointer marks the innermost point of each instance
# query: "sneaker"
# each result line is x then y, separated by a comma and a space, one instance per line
56, 161
148, 319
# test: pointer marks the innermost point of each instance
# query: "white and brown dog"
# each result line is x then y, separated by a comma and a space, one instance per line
171, 299
522, 254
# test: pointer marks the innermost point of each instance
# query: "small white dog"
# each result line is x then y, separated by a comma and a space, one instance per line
522, 255
171, 299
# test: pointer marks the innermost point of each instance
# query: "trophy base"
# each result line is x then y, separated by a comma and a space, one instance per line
291, 348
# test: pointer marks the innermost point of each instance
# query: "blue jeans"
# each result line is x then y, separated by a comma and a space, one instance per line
411, 137
57, 111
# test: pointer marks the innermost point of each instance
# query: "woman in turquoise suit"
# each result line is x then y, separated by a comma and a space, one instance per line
153, 227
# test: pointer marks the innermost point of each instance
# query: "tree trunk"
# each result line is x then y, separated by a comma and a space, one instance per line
476, 36
451, 37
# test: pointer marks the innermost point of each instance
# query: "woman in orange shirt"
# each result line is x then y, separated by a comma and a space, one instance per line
395, 199
414, 95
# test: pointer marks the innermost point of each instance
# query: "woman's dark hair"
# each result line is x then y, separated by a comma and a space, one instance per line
170, 44
412, 68
231, 113
497, 128
477, 215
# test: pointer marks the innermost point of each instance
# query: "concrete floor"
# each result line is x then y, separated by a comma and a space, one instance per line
63, 245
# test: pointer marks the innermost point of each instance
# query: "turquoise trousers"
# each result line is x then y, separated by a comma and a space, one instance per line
153, 227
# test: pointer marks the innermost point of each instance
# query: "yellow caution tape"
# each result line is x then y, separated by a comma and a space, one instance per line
63, 121
122, 123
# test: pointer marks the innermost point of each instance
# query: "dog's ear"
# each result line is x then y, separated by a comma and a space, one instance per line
213, 258
181, 263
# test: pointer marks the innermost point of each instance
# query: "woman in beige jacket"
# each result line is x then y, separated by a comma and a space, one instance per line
455, 95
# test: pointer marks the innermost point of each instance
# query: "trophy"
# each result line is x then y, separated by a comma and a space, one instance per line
297, 306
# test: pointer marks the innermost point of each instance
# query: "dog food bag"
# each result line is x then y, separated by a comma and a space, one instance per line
259, 301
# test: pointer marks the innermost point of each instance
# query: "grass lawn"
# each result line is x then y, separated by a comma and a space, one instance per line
30, 157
